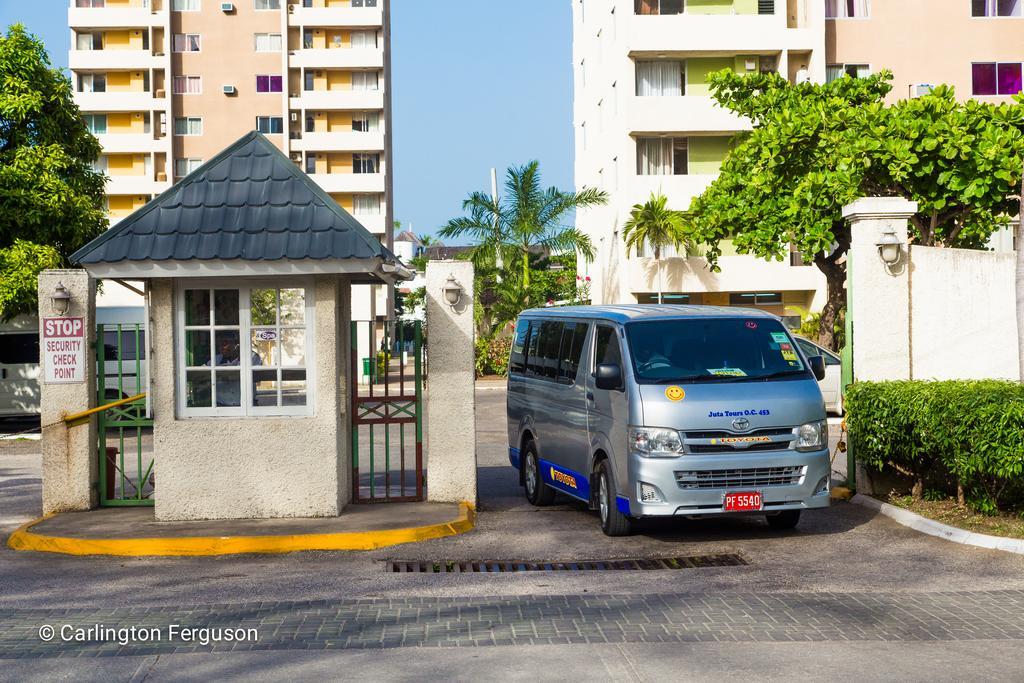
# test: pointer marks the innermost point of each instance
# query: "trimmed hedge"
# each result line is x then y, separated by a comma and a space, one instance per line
967, 433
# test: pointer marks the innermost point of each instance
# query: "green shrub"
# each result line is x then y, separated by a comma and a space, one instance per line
492, 356
971, 432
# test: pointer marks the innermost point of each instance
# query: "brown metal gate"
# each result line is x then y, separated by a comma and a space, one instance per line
387, 412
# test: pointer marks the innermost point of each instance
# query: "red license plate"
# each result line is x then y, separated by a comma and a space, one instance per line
742, 501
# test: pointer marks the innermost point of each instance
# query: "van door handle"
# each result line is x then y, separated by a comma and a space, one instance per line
590, 396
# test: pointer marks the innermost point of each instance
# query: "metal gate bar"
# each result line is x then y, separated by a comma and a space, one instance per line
378, 411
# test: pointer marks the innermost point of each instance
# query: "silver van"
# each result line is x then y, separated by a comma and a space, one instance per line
659, 411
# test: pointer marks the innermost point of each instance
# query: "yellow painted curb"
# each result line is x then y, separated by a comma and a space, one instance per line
25, 539
841, 493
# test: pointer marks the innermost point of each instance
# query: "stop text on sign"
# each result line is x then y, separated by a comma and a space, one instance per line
63, 350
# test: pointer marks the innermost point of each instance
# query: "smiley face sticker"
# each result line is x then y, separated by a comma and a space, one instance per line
674, 393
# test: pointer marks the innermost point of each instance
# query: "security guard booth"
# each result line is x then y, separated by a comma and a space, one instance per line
247, 266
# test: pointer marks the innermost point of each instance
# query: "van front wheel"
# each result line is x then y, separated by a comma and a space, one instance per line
536, 492
613, 522
787, 519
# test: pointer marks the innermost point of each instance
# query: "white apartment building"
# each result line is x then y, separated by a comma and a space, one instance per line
166, 84
645, 122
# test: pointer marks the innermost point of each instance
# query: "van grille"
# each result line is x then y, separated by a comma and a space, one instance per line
704, 442
722, 434
750, 477
768, 446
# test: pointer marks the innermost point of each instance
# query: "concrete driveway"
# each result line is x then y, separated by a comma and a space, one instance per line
863, 576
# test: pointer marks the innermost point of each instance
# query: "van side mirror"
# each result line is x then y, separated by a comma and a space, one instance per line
817, 365
608, 376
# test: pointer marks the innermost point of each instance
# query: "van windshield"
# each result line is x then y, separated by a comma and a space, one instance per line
712, 350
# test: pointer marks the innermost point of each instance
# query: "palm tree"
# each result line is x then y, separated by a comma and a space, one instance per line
658, 226
505, 231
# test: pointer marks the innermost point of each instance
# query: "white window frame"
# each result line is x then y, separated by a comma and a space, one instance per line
866, 16
993, 16
269, 120
93, 118
245, 410
188, 120
191, 161
268, 3
269, 38
196, 5
187, 78
845, 65
186, 39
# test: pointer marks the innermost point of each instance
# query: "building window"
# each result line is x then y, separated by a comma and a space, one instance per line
364, 39
366, 205
836, 71
766, 6
92, 83
182, 167
847, 9
310, 123
996, 79
755, 298
662, 156
186, 42
666, 298
90, 3
89, 41
188, 125
268, 42
307, 81
268, 84
366, 163
185, 5
997, 8
364, 3
96, 123
188, 85
310, 163
270, 125
657, 6
364, 80
661, 78
245, 351
267, 4
365, 122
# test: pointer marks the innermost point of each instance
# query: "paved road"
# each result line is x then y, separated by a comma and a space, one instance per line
906, 601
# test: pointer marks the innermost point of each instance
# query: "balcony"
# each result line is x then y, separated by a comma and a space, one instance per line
374, 224
349, 182
349, 141
679, 189
356, 58
686, 114
355, 17
716, 34
357, 100
738, 274
119, 101
135, 185
114, 59
116, 17
114, 143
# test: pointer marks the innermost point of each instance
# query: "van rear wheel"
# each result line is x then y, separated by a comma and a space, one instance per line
536, 492
613, 522
787, 519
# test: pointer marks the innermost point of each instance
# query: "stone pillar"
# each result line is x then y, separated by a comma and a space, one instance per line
451, 404
70, 463
879, 294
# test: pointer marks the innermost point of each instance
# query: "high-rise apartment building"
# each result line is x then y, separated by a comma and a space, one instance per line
166, 84
646, 123
644, 120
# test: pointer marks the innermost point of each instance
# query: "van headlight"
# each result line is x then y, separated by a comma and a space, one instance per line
812, 436
655, 442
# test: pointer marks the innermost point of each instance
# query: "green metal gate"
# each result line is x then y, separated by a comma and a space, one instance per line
125, 436
386, 382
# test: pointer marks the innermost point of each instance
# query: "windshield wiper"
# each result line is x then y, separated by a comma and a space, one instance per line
723, 379
776, 375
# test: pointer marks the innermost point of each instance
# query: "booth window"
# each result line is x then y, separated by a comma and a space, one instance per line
244, 351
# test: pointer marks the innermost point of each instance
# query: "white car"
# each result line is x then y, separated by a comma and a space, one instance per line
831, 385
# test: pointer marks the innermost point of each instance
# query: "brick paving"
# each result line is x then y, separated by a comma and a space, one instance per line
530, 620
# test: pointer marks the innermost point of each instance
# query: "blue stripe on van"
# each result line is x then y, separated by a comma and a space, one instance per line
513, 457
565, 480
622, 503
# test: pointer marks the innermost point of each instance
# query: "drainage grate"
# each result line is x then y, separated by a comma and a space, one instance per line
503, 566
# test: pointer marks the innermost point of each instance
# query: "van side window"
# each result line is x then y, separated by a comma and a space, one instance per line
572, 349
550, 342
517, 357
533, 367
606, 351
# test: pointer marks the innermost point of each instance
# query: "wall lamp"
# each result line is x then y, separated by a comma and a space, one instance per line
452, 292
61, 299
889, 248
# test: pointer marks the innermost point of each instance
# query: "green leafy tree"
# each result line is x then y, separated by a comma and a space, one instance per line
51, 199
654, 224
508, 231
816, 147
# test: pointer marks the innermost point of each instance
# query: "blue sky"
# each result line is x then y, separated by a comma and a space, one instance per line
477, 83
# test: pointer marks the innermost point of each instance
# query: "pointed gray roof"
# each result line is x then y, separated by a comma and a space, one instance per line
248, 203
